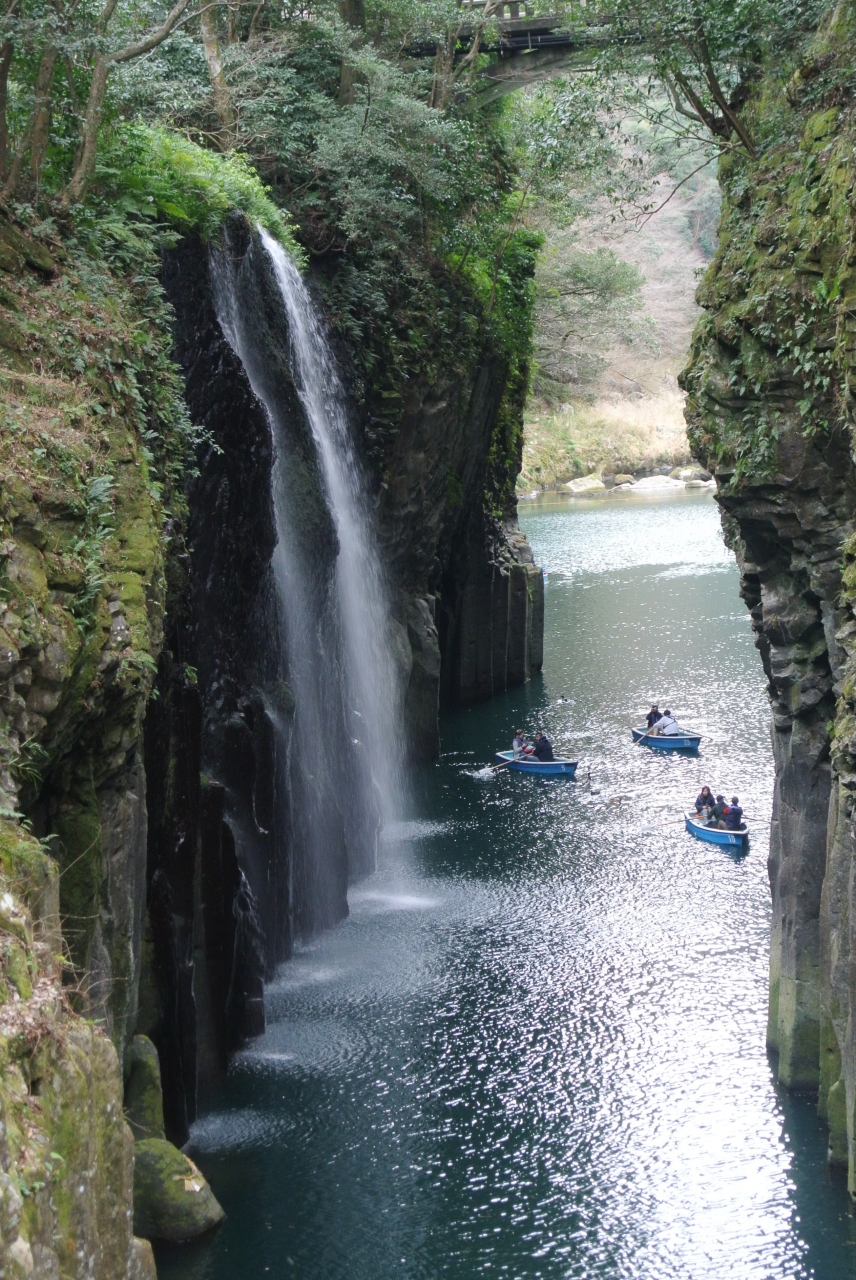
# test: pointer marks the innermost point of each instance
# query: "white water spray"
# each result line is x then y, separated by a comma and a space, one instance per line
372, 680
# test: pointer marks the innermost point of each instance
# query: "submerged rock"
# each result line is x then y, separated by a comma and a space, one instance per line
172, 1200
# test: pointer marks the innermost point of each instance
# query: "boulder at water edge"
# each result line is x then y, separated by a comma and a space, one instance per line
623, 479
586, 484
658, 484
172, 1200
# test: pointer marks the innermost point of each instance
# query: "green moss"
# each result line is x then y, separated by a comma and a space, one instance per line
24, 865
78, 847
172, 1200
190, 186
16, 965
143, 1097
771, 357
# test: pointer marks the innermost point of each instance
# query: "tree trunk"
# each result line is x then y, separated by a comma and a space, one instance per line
85, 165
219, 87
41, 105
6, 51
41, 135
353, 14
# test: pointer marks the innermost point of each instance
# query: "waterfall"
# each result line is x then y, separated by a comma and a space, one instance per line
333, 631
371, 672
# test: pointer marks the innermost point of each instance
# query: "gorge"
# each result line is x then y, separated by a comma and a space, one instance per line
258, 529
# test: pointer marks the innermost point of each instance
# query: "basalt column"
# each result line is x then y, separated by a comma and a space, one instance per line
771, 410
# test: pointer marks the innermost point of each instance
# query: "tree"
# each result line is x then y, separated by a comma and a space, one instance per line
68, 36
586, 301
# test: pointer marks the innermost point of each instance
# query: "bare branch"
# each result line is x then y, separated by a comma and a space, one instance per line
646, 217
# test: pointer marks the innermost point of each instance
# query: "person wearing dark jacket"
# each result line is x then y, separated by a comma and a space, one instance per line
704, 801
653, 716
734, 815
718, 812
543, 747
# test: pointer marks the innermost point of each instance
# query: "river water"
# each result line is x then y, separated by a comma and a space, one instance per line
536, 1047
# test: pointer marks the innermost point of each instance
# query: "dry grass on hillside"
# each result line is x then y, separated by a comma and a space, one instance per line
632, 417
610, 436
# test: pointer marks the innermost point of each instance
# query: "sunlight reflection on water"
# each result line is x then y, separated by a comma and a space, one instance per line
536, 1049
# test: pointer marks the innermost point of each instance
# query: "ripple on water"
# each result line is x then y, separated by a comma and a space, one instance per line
239, 1130
315, 1044
535, 1050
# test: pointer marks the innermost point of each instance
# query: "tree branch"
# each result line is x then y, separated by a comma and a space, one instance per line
154, 38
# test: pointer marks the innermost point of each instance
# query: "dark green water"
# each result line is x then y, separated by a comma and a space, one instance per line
536, 1048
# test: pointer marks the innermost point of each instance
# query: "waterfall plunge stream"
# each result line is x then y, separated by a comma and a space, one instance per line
370, 668
334, 631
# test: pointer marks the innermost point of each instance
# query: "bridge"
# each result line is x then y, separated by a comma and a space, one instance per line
527, 48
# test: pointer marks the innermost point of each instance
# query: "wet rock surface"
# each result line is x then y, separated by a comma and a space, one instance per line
172, 1200
66, 1154
777, 431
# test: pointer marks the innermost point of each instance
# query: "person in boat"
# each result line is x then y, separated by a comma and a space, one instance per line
518, 746
704, 802
717, 814
667, 726
653, 716
543, 747
734, 816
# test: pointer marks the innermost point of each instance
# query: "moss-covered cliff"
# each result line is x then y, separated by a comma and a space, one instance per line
66, 1154
772, 379
144, 712
92, 416
94, 453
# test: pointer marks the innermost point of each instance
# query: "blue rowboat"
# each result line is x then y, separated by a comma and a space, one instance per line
715, 835
667, 742
527, 764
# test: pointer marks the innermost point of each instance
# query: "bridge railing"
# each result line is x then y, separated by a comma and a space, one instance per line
508, 9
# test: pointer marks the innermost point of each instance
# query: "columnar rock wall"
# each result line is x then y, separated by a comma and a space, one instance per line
145, 728
469, 593
771, 388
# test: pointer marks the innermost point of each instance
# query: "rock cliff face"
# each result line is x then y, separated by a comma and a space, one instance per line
470, 594
145, 718
66, 1154
228, 887
771, 382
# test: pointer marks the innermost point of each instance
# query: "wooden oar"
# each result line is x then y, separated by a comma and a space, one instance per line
496, 767
638, 741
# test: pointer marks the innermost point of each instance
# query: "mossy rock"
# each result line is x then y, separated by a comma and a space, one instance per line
172, 1200
142, 1265
143, 1096
17, 969
623, 479
17, 246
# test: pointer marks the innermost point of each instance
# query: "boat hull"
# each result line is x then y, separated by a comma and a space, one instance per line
546, 768
715, 835
670, 742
